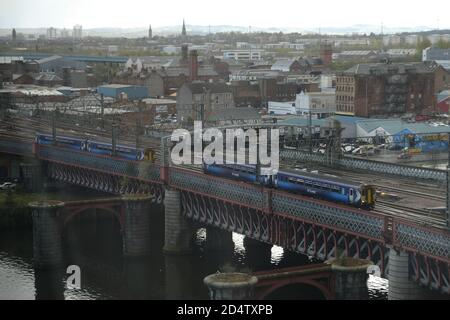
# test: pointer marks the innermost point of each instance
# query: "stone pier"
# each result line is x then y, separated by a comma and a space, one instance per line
350, 278
33, 176
230, 286
400, 286
178, 238
136, 228
47, 239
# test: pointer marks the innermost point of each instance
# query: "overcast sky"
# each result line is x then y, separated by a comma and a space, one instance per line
257, 13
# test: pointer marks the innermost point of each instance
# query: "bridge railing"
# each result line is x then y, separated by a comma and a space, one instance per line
228, 190
413, 237
368, 165
334, 216
21, 148
133, 169
423, 240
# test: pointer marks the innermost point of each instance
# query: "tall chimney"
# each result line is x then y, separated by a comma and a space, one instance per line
194, 65
326, 53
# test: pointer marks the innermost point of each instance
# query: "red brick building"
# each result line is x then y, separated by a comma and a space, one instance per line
380, 89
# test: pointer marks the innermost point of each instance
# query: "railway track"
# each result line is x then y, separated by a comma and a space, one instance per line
400, 185
411, 192
422, 216
25, 129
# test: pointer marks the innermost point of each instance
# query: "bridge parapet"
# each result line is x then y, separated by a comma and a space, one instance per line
225, 189
22, 148
417, 239
321, 213
134, 169
368, 165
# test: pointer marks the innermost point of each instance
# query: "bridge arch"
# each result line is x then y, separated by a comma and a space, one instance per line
113, 209
305, 289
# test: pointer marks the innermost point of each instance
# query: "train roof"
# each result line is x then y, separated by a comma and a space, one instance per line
60, 137
118, 145
323, 177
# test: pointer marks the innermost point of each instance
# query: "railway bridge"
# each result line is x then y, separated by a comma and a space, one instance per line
413, 256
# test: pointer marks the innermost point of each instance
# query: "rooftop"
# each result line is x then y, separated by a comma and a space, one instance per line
7, 60
386, 68
116, 86
159, 101
49, 59
394, 126
234, 114
199, 87
31, 90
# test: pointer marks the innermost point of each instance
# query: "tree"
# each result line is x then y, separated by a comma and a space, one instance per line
421, 45
442, 44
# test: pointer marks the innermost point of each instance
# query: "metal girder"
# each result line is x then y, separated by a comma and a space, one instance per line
368, 165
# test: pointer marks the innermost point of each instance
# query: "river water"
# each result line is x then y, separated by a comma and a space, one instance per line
106, 274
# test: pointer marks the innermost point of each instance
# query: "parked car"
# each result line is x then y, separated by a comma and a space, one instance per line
404, 156
8, 186
395, 147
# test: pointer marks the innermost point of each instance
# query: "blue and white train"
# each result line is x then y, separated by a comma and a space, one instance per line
102, 148
320, 186
70, 143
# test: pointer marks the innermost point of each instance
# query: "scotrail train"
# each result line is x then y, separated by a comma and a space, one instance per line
316, 185
320, 186
102, 148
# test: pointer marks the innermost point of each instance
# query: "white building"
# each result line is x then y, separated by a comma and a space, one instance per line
51, 33
113, 49
320, 103
396, 53
243, 54
65, 33
435, 38
171, 50
412, 39
77, 32
326, 82
392, 40
243, 45
281, 108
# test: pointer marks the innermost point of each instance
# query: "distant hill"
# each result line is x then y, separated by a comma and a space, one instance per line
203, 30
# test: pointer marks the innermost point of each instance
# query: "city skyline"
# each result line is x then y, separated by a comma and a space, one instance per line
287, 14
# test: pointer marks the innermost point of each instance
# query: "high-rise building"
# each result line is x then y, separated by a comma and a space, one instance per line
14, 35
77, 32
150, 32
51, 33
64, 33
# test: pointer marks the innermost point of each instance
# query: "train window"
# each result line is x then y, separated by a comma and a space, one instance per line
351, 192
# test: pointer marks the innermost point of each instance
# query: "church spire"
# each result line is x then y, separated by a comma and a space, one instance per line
183, 31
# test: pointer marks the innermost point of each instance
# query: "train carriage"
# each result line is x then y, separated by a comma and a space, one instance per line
95, 147
61, 141
121, 151
320, 186
326, 187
